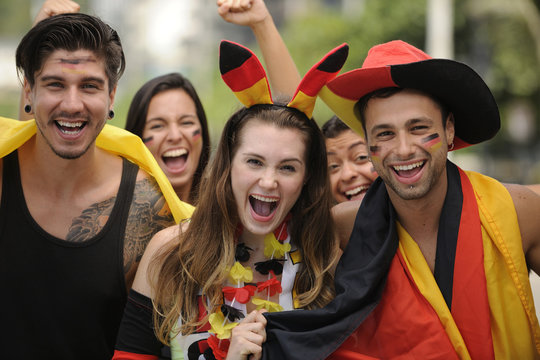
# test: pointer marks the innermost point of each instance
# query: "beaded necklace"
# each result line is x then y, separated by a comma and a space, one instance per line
224, 319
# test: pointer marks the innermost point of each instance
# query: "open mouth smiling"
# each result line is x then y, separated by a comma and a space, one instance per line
263, 205
175, 159
408, 170
70, 128
349, 194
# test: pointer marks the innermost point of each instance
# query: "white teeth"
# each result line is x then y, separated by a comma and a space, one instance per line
408, 167
70, 124
175, 153
264, 198
356, 190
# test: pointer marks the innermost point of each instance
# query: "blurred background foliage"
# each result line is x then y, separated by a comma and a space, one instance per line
500, 39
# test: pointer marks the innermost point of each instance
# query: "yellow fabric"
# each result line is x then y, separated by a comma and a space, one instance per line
304, 103
344, 109
514, 326
258, 93
428, 287
14, 133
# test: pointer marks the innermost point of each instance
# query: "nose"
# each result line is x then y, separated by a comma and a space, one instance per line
174, 133
72, 102
348, 171
405, 148
268, 179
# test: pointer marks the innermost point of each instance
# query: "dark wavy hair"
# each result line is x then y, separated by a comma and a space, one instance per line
334, 127
70, 32
196, 262
138, 111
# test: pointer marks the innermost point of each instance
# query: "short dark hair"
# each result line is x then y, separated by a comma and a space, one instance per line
334, 127
70, 32
384, 93
138, 110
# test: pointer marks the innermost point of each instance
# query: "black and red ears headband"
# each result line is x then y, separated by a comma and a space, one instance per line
244, 74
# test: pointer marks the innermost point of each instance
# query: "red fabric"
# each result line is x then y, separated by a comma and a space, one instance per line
122, 355
470, 304
242, 294
402, 326
219, 347
202, 313
405, 326
273, 285
245, 76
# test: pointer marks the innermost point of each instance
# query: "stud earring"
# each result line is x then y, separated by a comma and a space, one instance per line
111, 114
27, 109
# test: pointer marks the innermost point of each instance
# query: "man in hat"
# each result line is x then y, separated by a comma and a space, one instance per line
437, 263
79, 199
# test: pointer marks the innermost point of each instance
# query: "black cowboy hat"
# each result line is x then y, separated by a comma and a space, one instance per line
399, 64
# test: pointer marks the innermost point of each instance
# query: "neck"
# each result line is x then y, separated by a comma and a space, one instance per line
421, 216
251, 240
57, 175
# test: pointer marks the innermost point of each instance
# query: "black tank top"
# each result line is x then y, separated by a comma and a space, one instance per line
58, 299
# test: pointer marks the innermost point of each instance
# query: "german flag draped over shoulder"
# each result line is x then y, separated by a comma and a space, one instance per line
14, 133
442, 316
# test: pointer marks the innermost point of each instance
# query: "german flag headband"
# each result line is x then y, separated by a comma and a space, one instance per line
244, 74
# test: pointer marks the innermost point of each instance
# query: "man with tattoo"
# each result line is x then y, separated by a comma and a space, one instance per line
79, 199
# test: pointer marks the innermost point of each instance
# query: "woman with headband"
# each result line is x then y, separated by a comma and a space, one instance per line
261, 238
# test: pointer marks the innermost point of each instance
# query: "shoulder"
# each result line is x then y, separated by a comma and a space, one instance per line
160, 241
344, 215
527, 204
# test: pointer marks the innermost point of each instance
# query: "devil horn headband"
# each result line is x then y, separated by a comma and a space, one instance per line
245, 76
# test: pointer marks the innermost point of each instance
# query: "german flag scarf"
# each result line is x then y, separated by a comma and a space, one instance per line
389, 305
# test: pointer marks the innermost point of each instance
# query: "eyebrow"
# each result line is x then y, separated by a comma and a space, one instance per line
282, 161
161, 118
85, 79
407, 123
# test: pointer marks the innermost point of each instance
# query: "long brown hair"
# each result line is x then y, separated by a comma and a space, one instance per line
197, 262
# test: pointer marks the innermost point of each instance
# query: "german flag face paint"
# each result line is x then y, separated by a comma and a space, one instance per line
432, 142
196, 136
147, 139
375, 152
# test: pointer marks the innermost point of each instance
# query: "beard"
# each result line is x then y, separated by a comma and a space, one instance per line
421, 188
69, 154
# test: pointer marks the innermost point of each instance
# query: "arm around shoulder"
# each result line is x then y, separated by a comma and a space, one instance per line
527, 204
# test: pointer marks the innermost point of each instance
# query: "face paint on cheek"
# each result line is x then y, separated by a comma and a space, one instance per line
432, 142
375, 153
148, 139
196, 136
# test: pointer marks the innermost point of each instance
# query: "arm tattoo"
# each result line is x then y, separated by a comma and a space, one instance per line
148, 214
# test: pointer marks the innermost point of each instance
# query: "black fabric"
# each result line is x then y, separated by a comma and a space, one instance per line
448, 234
334, 62
231, 56
136, 334
60, 300
360, 277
